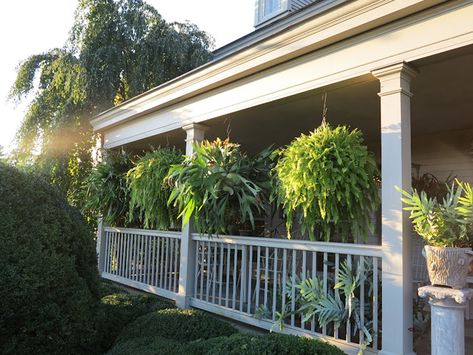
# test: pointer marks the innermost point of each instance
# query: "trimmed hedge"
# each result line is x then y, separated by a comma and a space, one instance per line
119, 308
49, 287
183, 325
241, 344
149, 346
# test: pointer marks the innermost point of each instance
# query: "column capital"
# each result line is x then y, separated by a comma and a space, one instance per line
395, 79
194, 126
446, 297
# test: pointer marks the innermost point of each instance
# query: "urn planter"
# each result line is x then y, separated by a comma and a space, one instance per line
448, 266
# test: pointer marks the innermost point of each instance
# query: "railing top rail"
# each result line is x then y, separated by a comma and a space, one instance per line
150, 232
330, 247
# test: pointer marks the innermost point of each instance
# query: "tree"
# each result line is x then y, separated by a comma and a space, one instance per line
116, 50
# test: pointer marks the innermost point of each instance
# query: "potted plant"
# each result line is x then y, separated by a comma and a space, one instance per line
447, 228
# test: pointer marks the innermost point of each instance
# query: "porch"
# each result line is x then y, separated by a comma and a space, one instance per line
415, 116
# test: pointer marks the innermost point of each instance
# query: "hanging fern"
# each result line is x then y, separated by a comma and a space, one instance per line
149, 192
107, 192
328, 180
219, 186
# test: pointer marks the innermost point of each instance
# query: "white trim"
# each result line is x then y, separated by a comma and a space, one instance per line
409, 39
330, 27
349, 348
150, 232
140, 286
329, 247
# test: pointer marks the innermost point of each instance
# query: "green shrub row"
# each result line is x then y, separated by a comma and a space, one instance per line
173, 331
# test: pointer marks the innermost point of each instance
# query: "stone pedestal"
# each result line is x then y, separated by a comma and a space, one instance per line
447, 318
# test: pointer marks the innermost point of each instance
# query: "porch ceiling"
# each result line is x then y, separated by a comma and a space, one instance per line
443, 100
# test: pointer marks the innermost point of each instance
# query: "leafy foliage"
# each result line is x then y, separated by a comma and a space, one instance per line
219, 185
328, 180
48, 271
446, 223
116, 50
107, 192
149, 192
242, 344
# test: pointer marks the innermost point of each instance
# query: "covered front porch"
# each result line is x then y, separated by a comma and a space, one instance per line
411, 100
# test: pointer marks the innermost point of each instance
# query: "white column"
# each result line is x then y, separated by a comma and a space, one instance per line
396, 228
195, 133
447, 308
100, 246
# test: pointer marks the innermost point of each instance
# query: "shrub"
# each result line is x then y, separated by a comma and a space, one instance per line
149, 193
328, 180
241, 344
48, 271
220, 186
119, 308
148, 346
178, 324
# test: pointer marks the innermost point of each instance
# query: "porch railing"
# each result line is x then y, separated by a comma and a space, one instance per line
249, 279
144, 259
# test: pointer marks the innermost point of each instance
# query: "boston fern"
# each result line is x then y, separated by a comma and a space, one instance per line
106, 189
149, 191
219, 186
327, 179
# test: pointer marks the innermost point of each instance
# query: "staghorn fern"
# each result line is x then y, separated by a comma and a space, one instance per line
219, 186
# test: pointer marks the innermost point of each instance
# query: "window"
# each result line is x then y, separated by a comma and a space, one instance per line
271, 6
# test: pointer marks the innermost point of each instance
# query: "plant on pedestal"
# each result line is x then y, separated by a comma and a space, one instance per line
447, 228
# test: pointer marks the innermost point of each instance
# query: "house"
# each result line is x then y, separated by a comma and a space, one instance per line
401, 71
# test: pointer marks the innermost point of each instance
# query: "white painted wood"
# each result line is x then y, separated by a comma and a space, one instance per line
250, 279
293, 287
235, 262
207, 272
194, 133
275, 281
396, 229
375, 302
258, 276
214, 272
220, 274
166, 234
362, 299
140, 286
337, 268
409, 39
227, 285
329, 247
314, 275
284, 275
101, 246
348, 327
266, 277
325, 283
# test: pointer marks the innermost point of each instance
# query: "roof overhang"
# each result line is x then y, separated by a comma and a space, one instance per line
337, 21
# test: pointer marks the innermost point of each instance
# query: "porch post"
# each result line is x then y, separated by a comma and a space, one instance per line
195, 133
397, 292
100, 247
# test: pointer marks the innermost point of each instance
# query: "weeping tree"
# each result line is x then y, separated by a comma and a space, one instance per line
116, 50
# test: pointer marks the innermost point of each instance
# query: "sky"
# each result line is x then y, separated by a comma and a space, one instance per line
33, 26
